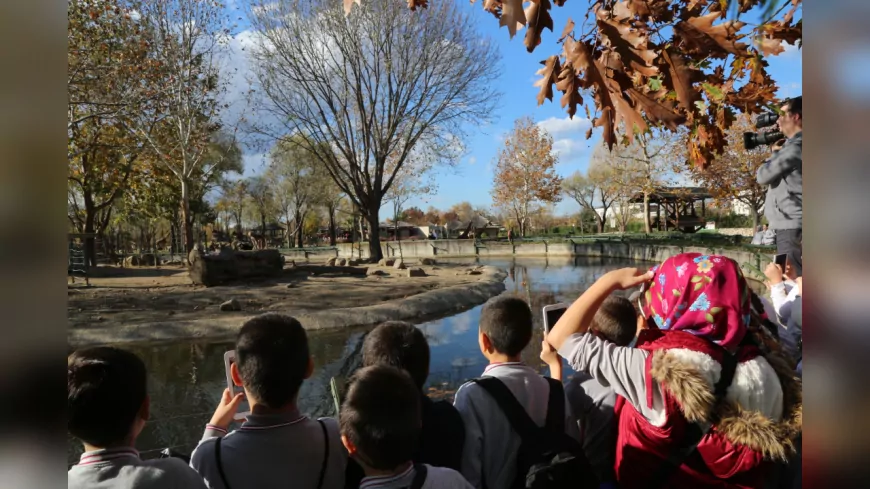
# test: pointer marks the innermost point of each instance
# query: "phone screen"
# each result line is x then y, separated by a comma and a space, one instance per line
551, 317
781, 260
244, 407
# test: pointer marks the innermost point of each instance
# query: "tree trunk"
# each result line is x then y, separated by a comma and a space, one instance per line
755, 218
299, 226
375, 254
647, 227
90, 247
331, 211
263, 228
185, 218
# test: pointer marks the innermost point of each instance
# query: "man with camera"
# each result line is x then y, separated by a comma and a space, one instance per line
783, 174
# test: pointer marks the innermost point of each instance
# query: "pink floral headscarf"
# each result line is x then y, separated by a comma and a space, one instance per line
705, 295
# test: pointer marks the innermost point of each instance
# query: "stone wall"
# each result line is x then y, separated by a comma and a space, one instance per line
229, 266
635, 250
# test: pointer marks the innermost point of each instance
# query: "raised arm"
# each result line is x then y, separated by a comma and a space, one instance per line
781, 163
579, 315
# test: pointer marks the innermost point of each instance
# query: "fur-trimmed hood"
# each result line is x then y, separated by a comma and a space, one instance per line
763, 405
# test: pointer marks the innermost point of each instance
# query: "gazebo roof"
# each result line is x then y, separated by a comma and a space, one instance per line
674, 194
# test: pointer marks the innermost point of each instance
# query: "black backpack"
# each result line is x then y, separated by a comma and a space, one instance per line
548, 457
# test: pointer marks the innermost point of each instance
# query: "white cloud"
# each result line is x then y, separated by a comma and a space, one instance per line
472, 160
569, 136
790, 50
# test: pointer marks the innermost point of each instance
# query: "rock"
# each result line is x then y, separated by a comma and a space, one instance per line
210, 270
387, 262
473, 272
399, 264
231, 305
374, 272
331, 262
291, 286
352, 263
341, 262
416, 272
427, 261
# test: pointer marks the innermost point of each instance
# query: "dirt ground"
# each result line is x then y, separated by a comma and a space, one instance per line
130, 296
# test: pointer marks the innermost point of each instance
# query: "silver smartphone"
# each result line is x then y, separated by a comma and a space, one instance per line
552, 313
244, 407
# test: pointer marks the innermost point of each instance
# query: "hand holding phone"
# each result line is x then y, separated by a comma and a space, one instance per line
781, 260
234, 390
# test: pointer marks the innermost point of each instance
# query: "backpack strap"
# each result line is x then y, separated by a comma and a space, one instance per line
556, 406
515, 412
695, 432
220, 465
420, 473
325, 454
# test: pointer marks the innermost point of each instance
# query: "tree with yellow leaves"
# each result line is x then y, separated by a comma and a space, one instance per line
525, 174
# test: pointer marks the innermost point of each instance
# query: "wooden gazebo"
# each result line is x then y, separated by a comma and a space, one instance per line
675, 208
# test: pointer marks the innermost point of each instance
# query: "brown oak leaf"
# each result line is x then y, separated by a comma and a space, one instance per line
550, 73
605, 121
629, 44
657, 111
768, 46
538, 18
681, 77
569, 85
579, 54
348, 4
493, 7
569, 28
414, 4
512, 15
699, 35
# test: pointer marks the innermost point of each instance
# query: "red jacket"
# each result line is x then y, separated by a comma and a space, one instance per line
740, 448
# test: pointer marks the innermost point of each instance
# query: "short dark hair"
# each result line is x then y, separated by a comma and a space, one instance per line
272, 358
106, 388
507, 321
400, 345
615, 320
795, 105
381, 416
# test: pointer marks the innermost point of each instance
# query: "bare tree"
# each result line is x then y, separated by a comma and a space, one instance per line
414, 180
189, 37
364, 90
595, 190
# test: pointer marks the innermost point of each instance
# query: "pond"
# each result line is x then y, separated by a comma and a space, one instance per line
186, 378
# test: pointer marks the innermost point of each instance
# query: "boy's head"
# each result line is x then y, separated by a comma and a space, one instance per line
272, 359
616, 320
505, 326
400, 345
380, 418
107, 400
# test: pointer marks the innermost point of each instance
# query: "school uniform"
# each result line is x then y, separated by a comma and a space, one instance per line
121, 468
436, 478
491, 445
593, 407
273, 451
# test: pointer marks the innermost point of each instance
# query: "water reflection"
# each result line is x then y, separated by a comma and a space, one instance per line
186, 378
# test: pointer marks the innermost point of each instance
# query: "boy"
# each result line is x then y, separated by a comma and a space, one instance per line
491, 445
276, 446
380, 428
592, 403
403, 346
107, 407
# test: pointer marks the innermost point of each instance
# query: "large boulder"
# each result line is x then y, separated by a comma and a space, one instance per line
399, 264
212, 270
374, 272
231, 305
416, 272
427, 261
386, 262
341, 262
352, 263
331, 262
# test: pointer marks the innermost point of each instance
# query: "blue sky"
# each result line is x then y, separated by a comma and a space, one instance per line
471, 179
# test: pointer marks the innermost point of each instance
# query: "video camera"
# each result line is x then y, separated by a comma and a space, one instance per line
752, 140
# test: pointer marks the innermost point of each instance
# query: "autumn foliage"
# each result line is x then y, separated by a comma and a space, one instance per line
525, 175
661, 63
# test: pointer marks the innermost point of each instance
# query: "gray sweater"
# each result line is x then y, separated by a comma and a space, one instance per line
121, 468
783, 172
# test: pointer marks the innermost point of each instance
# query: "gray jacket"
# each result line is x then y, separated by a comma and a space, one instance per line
783, 172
